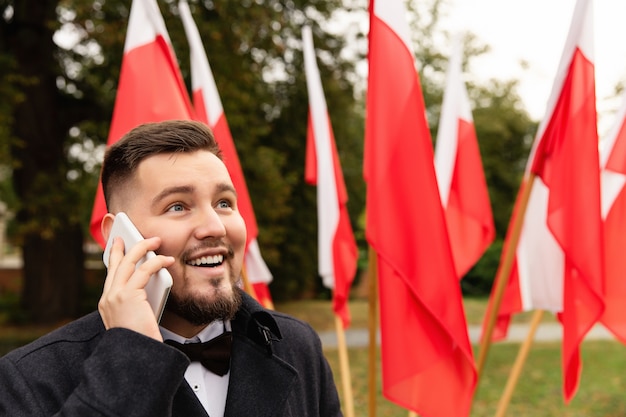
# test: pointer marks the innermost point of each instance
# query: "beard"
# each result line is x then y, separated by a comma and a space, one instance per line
202, 309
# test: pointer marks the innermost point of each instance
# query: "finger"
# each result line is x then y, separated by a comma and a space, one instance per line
140, 250
122, 265
142, 274
115, 257
127, 274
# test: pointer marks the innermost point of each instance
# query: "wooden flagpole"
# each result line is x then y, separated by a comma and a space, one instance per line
247, 286
518, 365
249, 289
372, 277
344, 366
503, 276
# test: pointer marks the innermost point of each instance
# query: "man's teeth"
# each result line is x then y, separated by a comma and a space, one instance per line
207, 261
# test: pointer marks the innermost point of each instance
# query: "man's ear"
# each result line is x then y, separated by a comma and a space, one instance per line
106, 225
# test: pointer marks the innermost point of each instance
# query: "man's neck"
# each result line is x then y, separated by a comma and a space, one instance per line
179, 325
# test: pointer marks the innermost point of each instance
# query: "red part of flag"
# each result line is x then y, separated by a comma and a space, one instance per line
614, 215
150, 87
427, 360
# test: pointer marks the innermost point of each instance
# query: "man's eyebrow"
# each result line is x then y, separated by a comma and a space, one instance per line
188, 189
181, 189
226, 187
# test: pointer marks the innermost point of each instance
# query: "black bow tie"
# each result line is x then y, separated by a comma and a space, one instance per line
214, 354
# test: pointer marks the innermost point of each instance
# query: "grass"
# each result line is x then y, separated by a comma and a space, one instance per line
538, 392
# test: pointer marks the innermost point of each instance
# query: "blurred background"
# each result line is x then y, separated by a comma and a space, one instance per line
59, 66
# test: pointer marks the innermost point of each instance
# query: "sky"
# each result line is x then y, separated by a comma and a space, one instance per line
535, 31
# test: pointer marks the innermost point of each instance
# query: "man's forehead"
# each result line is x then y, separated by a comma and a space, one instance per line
157, 172
197, 169
183, 162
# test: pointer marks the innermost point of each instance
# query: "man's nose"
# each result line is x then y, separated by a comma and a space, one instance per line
210, 224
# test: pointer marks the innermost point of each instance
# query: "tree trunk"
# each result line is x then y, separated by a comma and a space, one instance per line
53, 276
50, 232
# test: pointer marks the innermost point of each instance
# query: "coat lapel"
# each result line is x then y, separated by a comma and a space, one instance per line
186, 404
248, 394
260, 382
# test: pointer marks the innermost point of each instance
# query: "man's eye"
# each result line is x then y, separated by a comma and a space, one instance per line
224, 204
176, 207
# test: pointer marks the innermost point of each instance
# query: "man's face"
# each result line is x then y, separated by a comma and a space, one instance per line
188, 200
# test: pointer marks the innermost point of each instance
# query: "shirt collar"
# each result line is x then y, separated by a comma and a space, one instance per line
211, 331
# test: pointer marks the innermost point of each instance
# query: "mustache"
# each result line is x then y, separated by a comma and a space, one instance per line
208, 244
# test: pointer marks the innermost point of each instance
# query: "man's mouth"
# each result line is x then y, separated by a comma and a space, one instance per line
207, 261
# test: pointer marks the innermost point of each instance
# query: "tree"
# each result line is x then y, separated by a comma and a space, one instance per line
49, 232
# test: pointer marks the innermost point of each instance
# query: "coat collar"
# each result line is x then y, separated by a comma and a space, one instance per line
256, 323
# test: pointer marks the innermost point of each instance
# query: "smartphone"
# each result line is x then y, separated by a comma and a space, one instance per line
159, 285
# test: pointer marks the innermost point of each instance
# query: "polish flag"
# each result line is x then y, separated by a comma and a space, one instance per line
150, 88
460, 175
613, 176
209, 110
559, 256
427, 360
337, 250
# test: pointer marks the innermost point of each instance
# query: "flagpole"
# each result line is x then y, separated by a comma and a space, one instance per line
344, 366
268, 304
502, 277
518, 365
247, 286
372, 277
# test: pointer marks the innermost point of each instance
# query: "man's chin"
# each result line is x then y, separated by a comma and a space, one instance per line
199, 310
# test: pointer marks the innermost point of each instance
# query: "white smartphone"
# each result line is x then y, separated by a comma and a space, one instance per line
159, 285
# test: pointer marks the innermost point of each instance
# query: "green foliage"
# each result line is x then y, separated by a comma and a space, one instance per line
479, 279
505, 133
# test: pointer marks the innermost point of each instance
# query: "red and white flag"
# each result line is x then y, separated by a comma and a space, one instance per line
209, 110
613, 177
559, 257
337, 250
427, 360
460, 175
150, 87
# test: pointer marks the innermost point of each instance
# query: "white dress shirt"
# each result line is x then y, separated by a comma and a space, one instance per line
211, 389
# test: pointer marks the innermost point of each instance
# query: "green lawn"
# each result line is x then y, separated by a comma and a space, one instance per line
538, 392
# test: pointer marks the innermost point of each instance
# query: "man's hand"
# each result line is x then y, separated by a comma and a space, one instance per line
124, 301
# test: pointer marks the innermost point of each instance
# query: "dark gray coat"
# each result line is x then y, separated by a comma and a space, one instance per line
277, 369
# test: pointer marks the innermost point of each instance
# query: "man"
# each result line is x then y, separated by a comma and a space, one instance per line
169, 179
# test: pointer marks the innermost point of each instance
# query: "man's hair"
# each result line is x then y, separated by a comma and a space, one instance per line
173, 136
